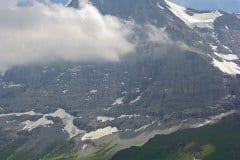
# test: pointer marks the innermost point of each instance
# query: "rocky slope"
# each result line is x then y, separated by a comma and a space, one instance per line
185, 70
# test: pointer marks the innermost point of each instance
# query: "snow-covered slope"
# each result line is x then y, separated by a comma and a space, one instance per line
226, 62
227, 67
201, 20
30, 125
99, 133
67, 120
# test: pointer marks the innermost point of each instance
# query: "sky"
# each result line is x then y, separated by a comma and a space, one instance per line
225, 5
232, 6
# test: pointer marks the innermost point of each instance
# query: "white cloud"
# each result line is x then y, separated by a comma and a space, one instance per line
47, 33
157, 35
160, 36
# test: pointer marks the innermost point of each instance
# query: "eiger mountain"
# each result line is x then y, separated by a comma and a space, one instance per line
83, 111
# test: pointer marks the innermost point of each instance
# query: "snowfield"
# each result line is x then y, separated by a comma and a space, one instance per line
66, 118
99, 133
228, 57
30, 125
227, 67
201, 20
227, 64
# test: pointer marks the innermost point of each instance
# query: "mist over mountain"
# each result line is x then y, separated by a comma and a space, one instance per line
65, 34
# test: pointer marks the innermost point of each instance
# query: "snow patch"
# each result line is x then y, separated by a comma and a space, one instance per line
99, 133
201, 20
227, 28
30, 125
118, 101
228, 57
65, 91
135, 100
227, 48
142, 128
213, 47
227, 67
67, 120
159, 6
105, 119
107, 109
227, 64
84, 146
30, 113
93, 91
12, 85
214, 119
129, 116
137, 90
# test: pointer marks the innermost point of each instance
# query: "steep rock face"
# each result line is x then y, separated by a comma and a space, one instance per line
227, 29
160, 86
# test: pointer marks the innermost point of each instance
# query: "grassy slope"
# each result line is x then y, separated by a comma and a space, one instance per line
217, 142
69, 152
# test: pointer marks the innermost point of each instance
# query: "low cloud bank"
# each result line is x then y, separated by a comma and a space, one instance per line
44, 33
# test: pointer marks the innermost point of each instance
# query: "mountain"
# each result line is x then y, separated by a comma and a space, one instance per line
184, 74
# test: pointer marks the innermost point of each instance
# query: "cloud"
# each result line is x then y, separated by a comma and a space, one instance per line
47, 33
157, 35
160, 37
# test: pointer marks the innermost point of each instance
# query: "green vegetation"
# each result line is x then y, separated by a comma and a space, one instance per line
104, 153
69, 152
217, 142
66, 152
